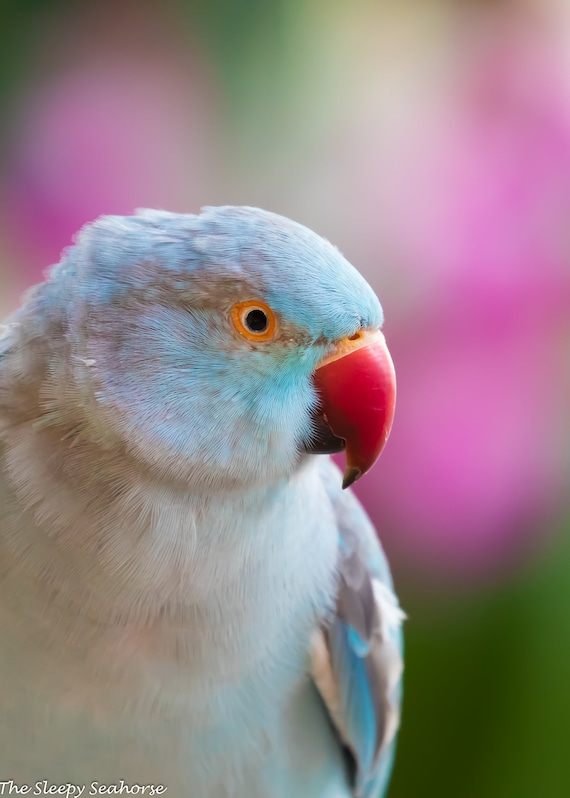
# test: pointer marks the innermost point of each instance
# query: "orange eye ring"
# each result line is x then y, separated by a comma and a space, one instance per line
254, 320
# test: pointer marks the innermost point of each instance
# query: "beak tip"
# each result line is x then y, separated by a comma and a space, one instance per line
350, 476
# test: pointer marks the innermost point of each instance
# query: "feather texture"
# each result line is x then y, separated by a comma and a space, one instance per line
167, 549
357, 657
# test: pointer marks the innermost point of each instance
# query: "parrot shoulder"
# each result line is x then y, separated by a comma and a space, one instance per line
356, 655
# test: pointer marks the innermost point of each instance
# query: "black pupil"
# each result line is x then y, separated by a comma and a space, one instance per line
256, 321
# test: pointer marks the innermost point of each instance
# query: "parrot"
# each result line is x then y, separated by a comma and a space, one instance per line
192, 600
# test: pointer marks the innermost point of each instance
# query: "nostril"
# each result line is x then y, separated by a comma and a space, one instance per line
354, 337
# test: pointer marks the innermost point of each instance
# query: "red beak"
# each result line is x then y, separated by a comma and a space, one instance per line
357, 390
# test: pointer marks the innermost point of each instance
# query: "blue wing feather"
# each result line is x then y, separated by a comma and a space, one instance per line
356, 696
364, 641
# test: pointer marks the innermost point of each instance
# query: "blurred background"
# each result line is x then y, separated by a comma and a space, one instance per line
429, 140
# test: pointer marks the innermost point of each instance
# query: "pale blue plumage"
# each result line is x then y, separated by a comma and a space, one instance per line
168, 553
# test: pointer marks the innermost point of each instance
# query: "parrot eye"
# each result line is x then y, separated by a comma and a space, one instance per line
254, 320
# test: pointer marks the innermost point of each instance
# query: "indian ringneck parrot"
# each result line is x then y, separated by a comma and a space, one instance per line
188, 597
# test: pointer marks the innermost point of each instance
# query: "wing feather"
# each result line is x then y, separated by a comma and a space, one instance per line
357, 654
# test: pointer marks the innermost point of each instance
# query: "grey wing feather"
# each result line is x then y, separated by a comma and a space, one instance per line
357, 654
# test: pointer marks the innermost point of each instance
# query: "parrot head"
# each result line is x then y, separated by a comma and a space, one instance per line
224, 348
